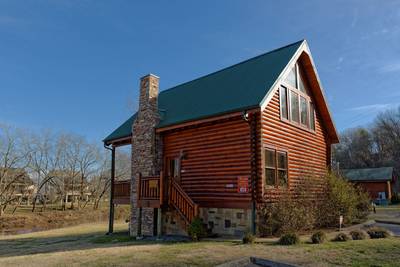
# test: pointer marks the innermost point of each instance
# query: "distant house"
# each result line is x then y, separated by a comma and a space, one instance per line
17, 184
378, 182
220, 146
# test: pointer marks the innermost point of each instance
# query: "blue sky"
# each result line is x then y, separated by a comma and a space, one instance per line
74, 66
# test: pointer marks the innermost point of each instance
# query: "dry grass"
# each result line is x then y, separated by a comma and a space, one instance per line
86, 245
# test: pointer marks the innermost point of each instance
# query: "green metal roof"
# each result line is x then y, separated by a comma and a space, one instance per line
371, 174
122, 131
235, 88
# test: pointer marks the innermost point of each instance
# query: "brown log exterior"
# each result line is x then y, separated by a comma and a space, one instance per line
216, 154
307, 150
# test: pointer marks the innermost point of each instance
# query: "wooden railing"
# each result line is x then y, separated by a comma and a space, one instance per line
182, 202
149, 191
122, 192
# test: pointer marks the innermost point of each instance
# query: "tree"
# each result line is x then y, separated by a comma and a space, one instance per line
12, 164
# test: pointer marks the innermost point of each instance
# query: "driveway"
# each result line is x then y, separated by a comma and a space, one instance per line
394, 228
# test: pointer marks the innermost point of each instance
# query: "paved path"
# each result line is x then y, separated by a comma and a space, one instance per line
395, 228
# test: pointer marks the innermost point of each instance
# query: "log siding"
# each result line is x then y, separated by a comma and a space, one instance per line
216, 154
307, 151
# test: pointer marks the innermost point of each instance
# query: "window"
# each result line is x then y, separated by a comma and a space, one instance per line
270, 167
295, 103
294, 106
276, 170
291, 79
303, 111
284, 103
312, 116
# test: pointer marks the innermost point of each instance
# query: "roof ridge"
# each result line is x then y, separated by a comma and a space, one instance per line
234, 65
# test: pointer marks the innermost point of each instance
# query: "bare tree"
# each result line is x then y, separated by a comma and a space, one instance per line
12, 164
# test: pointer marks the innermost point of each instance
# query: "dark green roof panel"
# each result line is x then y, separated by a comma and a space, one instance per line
370, 174
122, 131
236, 88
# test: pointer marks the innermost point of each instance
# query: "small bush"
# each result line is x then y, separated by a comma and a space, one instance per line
341, 237
342, 198
318, 237
358, 235
377, 232
289, 239
196, 230
248, 238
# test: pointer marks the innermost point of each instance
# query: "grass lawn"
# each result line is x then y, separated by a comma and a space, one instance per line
86, 245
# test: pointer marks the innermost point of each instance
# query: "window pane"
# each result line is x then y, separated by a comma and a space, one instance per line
312, 116
270, 158
282, 160
302, 83
284, 105
270, 176
303, 111
294, 107
282, 178
291, 78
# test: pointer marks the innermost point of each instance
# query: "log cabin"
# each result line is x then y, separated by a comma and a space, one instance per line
377, 182
218, 146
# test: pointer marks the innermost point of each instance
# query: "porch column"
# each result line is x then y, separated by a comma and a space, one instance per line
111, 214
389, 188
159, 220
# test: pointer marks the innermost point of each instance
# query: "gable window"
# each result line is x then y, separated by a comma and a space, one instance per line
276, 168
284, 103
295, 103
312, 117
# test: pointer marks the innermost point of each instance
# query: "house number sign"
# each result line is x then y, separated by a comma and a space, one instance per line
242, 184
153, 184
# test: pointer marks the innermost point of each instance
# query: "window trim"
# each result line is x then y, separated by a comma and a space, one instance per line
276, 169
300, 94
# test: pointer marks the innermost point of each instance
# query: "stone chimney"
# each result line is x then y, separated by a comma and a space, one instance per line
146, 148
148, 99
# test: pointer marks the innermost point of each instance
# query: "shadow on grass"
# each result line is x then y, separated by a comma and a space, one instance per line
38, 245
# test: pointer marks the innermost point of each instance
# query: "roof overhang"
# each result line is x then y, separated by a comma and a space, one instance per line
303, 55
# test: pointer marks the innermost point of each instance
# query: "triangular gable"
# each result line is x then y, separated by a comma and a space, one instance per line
303, 55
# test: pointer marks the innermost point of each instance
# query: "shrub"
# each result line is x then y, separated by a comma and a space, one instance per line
303, 209
293, 211
248, 238
377, 232
196, 229
318, 237
342, 198
341, 237
289, 239
358, 235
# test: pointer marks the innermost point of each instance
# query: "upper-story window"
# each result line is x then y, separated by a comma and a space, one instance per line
295, 102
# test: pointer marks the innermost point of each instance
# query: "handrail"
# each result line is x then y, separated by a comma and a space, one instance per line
182, 202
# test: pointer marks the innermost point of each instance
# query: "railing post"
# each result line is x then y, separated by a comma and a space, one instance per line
138, 188
161, 184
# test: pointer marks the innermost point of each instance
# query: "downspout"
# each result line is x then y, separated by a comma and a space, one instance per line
111, 212
253, 161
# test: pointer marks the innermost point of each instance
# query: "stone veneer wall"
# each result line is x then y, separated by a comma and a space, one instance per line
227, 221
146, 158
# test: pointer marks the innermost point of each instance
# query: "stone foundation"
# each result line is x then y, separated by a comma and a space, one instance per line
221, 221
173, 224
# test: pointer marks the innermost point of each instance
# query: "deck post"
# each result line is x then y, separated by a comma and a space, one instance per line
111, 214
159, 221
139, 223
